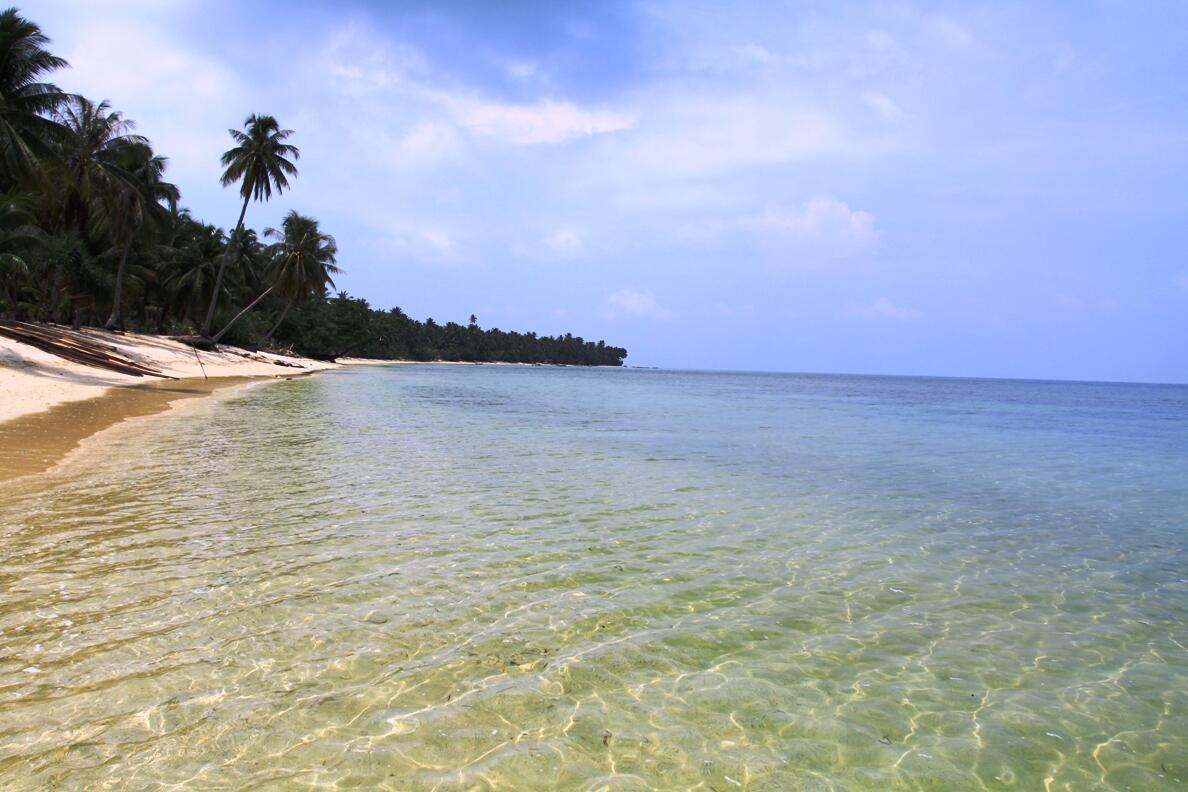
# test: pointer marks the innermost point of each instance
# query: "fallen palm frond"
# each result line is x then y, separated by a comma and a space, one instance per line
76, 347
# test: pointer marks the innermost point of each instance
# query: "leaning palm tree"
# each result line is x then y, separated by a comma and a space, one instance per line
260, 162
26, 103
302, 265
145, 199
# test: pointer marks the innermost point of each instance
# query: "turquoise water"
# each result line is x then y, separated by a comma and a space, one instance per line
482, 577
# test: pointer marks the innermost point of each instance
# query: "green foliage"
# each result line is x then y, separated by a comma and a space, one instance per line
347, 326
91, 233
26, 102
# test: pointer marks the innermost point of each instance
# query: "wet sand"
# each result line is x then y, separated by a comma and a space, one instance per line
35, 442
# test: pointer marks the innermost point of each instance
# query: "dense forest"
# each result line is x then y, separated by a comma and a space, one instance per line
93, 233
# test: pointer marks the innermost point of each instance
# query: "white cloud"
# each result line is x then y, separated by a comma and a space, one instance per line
882, 308
690, 134
398, 73
545, 122
565, 242
177, 97
428, 143
637, 303
521, 70
743, 57
562, 243
362, 64
103, 70
884, 106
440, 240
828, 226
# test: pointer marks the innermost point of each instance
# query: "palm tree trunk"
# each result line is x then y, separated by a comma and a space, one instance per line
232, 247
53, 300
251, 305
115, 320
276, 326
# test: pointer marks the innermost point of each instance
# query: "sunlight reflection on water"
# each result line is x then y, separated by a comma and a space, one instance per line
506, 578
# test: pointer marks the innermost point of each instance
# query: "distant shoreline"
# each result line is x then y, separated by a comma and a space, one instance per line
48, 405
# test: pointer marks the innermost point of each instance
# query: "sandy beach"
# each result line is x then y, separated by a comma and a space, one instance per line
48, 405
32, 381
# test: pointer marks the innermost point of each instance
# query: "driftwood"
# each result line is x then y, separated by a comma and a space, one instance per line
198, 342
209, 345
257, 357
76, 347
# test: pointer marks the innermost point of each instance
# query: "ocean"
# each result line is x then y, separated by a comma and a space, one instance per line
444, 577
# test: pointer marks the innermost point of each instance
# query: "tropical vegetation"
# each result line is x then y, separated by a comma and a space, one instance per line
92, 232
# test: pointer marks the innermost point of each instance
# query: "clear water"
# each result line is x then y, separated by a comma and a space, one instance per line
470, 578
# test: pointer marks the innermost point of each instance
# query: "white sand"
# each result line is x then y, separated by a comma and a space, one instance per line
32, 380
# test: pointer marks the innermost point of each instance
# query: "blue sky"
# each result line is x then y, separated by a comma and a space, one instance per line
994, 189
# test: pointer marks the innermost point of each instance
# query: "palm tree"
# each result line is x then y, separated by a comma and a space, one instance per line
302, 266
137, 204
260, 162
192, 258
95, 146
94, 150
18, 235
26, 103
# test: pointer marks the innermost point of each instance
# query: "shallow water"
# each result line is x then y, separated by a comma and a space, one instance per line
36, 442
468, 578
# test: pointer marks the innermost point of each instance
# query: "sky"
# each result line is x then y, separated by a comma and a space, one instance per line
965, 189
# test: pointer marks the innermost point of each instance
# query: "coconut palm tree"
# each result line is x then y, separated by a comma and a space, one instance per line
192, 258
18, 236
146, 199
93, 150
302, 265
260, 162
26, 103
96, 145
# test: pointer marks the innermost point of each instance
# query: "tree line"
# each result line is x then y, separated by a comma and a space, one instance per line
93, 233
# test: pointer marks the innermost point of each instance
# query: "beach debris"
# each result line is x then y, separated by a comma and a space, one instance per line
263, 359
76, 347
198, 342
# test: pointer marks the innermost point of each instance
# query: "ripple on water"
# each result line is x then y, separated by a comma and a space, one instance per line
460, 578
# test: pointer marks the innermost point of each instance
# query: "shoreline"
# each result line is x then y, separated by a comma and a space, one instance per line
49, 405
38, 442
33, 381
